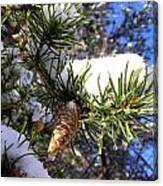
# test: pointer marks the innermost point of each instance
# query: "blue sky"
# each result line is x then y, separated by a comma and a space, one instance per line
116, 17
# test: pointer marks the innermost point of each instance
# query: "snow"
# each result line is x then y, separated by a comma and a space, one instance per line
39, 112
26, 77
28, 164
112, 66
1, 45
71, 104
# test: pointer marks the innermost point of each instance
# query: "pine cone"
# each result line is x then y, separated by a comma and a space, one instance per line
67, 123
